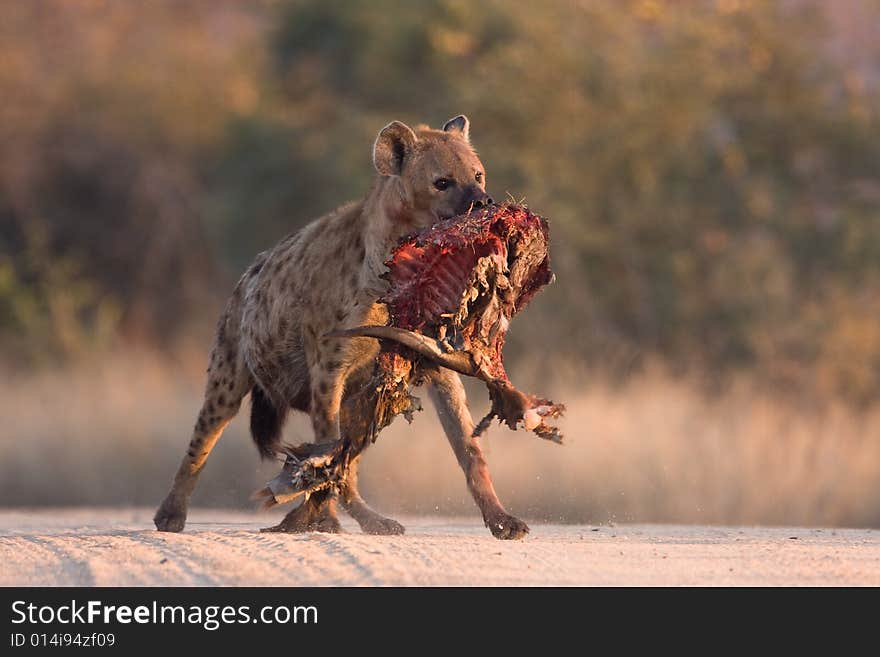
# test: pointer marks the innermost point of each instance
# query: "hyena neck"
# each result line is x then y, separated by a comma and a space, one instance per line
387, 219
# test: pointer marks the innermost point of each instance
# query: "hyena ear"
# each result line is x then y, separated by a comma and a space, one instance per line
393, 145
460, 125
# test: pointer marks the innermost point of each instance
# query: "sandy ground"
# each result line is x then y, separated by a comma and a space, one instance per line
115, 547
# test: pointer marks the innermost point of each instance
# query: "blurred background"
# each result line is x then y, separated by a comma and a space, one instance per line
711, 170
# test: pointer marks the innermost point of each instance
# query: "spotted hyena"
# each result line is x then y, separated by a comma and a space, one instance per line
271, 343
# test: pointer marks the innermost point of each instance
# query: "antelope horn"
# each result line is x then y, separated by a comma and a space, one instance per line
458, 361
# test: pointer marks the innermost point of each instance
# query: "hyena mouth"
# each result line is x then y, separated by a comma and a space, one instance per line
452, 293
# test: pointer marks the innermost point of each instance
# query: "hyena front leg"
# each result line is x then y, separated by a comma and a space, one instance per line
228, 382
370, 521
448, 395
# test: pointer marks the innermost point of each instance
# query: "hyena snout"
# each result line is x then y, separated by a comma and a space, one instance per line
483, 201
475, 198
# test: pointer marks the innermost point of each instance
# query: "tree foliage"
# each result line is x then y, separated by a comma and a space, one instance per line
710, 168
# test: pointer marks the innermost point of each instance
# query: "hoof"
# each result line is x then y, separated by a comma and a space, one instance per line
507, 528
170, 518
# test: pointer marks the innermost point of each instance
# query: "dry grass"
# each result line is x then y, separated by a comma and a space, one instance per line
652, 450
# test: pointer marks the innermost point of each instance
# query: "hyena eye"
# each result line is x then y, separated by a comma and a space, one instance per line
479, 176
443, 183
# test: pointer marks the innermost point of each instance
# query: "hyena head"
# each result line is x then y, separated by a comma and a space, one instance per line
437, 174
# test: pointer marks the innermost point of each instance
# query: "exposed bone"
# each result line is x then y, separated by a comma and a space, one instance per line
531, 419
458, 361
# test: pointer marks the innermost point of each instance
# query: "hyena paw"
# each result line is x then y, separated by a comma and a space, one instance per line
381, 526
305, 518
171, 517
507, 528
286, 528
328, 524
296, 521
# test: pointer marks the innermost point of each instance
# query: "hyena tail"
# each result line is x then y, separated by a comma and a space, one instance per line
266, 423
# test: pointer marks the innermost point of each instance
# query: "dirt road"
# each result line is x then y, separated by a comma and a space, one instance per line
119, 547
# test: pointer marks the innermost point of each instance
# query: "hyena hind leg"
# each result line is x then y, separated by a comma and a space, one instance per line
228, 383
